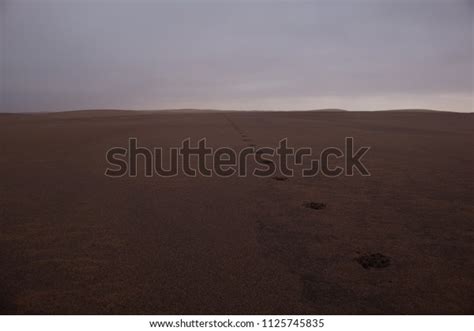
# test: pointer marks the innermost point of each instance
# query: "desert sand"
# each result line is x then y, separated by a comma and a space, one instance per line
74, 241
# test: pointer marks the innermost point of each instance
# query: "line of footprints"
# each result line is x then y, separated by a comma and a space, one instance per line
246, 139
367, 261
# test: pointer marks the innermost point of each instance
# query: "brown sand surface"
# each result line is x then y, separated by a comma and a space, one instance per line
74, 241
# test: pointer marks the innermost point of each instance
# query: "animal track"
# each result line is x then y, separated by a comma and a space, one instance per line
280, 178
376, 260
314, 205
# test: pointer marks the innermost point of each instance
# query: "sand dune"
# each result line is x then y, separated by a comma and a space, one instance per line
74, 241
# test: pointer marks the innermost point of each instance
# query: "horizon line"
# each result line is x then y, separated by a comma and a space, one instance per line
203, 110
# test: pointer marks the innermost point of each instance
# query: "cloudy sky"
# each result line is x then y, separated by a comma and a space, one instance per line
230, 54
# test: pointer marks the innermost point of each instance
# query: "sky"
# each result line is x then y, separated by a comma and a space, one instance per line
236, 54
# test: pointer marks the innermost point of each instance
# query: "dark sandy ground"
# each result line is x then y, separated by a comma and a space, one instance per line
73, 241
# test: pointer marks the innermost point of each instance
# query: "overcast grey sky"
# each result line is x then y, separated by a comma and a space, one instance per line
353, 54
